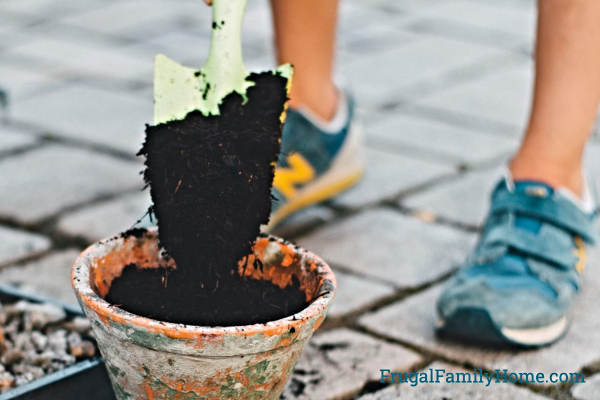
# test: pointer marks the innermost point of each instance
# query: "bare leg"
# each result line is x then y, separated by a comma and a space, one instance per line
305, 37
567, 93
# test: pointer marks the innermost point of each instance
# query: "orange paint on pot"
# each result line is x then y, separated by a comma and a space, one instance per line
289, 257
319, 322
149, 393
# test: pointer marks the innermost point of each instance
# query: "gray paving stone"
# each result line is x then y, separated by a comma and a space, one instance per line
302, 219
338, 363
9, 24
443, 390
390, 246
383, 35
413, 321
519, 4
402, 7
592, 163
409, 133
108, 118
596, 129
464, 200
16, 244
501, 97
370, 39
138, 18
402, 70
17, 27
22, 82
78, 56
515, 24
182, 46
386, 175
48, 277
587, 390
107, 218
471, 33
257, 37
11, 36
355, 293
11, 139
46, 7
45, 181
117, 17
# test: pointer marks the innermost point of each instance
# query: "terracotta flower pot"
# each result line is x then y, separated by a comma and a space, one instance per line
150, 359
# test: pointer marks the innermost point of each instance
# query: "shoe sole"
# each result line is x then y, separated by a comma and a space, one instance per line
537, 336
346, 170
476, 325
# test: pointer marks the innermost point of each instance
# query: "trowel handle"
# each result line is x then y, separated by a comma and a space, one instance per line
225, 53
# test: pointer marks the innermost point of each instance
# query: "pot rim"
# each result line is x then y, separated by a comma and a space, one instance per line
89, 299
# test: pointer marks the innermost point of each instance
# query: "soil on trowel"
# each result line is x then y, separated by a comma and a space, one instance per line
210, 181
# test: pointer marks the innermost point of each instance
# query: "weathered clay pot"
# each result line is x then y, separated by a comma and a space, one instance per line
149, 359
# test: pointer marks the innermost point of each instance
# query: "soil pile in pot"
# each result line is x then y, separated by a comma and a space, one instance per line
210, 181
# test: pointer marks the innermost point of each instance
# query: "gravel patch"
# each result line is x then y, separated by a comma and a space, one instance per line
38, 339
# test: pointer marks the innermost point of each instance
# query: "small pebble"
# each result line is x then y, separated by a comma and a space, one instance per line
57, 341
43, 314
43, 360
12, 327
6, 381
84, 348
11, 357
66, 359
78, 324
39, 340
73, 339
23, 342
24, 378
3, 315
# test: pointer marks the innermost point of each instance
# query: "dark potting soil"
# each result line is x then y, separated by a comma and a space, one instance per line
210, 181
173, 297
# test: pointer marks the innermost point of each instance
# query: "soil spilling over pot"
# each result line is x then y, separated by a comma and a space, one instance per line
210, 181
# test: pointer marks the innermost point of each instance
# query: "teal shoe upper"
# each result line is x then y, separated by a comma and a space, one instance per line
526, 269
318, 148
300, 135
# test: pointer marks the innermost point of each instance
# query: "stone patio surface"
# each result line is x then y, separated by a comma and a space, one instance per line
443, 88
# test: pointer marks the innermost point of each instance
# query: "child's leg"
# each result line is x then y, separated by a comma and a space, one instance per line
520, 283
321, 152
567, 93
305, 37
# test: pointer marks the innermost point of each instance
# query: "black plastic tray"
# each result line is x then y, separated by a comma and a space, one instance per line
86, 380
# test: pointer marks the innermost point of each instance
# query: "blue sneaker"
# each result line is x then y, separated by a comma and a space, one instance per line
520, 282
315, 165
